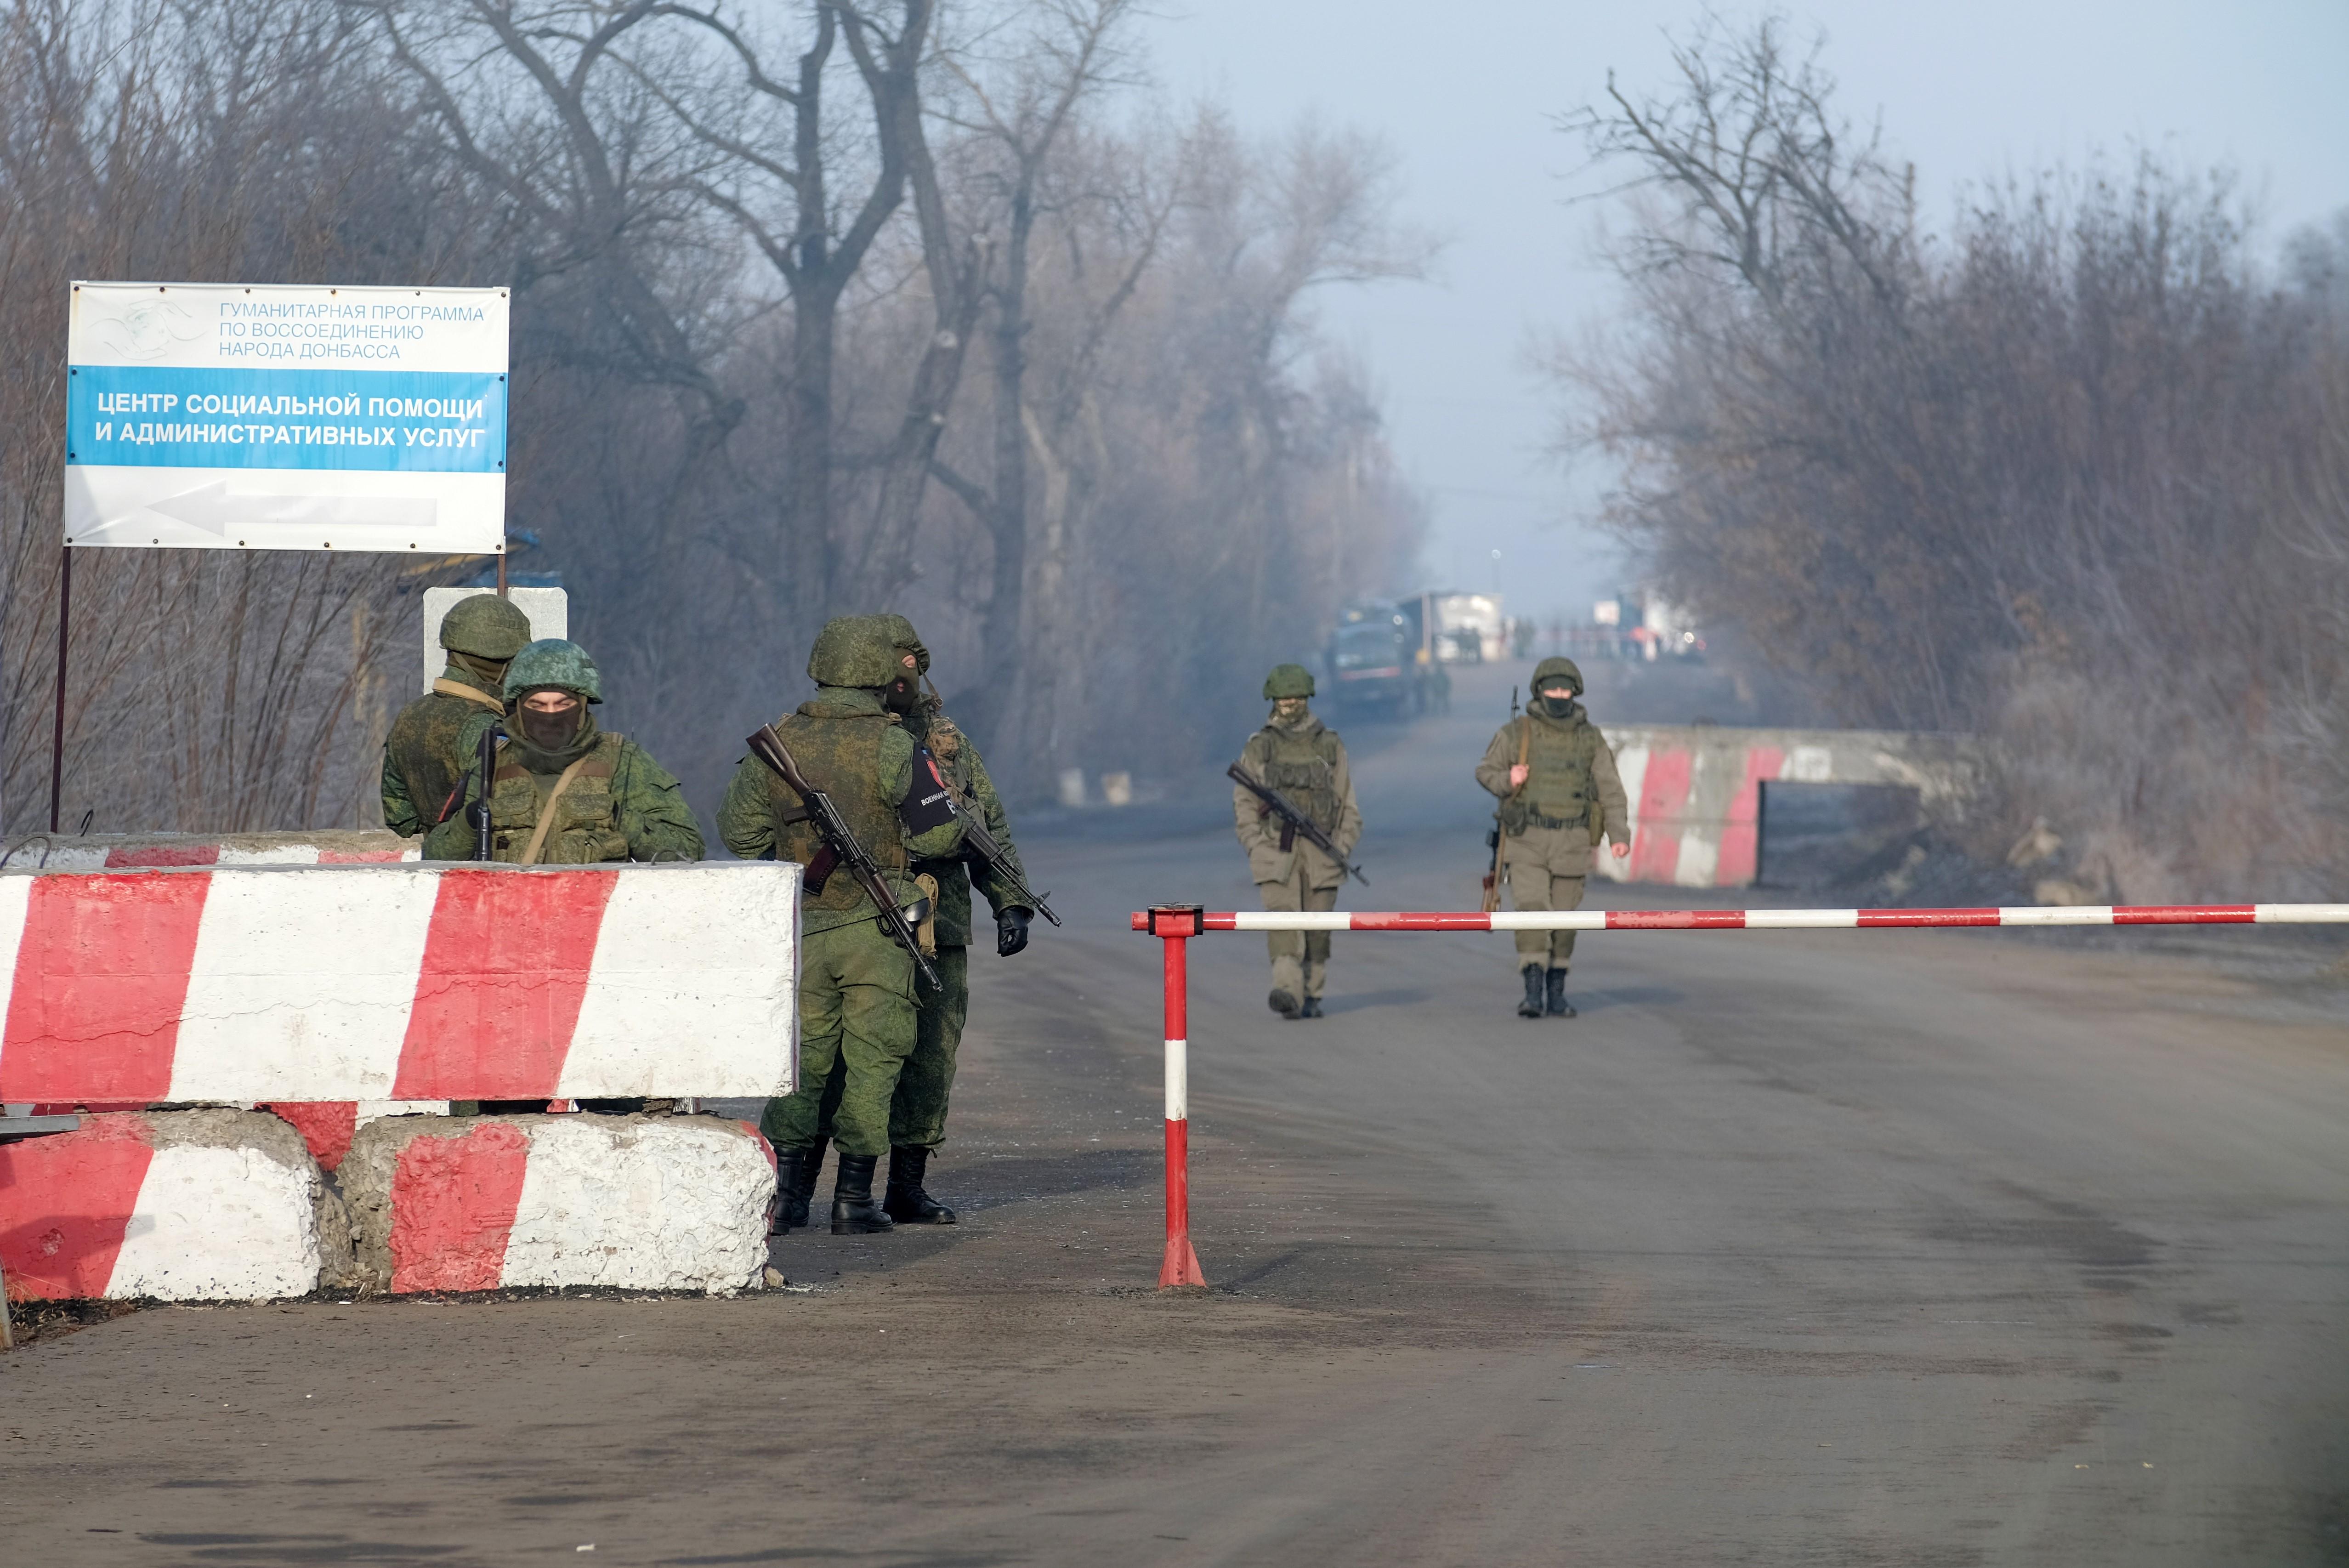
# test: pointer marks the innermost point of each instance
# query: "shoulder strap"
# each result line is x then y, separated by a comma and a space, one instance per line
448, 688
546, 813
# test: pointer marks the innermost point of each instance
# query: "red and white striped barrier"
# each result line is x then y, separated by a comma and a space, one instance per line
1176, 923
175, 1206
668, 1203
347, 984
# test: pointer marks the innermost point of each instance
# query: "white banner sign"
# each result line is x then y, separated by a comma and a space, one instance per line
270, 416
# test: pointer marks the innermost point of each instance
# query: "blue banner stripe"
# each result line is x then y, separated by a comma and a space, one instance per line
389, 422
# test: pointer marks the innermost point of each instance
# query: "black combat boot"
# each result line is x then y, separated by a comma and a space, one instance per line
1558, 1004
1312, 1008
907, 1203
801, 1191
854, 1212
1535, 1003
790, 1198
1283, 1002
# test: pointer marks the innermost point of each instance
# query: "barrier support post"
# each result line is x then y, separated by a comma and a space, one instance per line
1175, 924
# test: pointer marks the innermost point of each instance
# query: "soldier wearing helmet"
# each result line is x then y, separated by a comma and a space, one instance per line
563, 792
917, 1110
857, 1005
1554, 776
1305, 761
426, 754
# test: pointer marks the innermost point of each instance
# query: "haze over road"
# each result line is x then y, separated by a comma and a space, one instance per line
1795, 1248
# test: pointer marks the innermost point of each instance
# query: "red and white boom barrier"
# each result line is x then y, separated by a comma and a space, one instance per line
1176, 923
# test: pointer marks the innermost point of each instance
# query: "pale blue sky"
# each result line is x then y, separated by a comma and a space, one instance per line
1466, 95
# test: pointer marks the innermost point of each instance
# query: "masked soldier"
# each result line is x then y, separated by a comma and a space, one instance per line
856, 984
425, 754
1305, 761
563, 792
1555, 777
918, 1112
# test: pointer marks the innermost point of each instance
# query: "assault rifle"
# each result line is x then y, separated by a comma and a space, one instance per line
485, 761
840, 848
1294, 823
983, 848
1493, 836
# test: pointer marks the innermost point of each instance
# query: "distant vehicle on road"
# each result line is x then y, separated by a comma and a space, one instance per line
1375, 664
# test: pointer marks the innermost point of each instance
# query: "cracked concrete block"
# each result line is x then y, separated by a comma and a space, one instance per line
477, 1203
205, 1205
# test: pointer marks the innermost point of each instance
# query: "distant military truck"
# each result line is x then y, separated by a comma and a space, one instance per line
1376, 666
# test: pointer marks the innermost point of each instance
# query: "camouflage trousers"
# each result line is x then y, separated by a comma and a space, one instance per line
1546, 867
857, 1018
917, 1111
1300, 960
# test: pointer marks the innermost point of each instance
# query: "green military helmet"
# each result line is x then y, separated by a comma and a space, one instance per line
485, 625
1289, 681
853, 651
553, 663
905, 639
1550, 669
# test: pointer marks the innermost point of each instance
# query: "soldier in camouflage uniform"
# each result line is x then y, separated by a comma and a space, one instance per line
1555, 777
425, 754
856, 984
1297, 755
563, 792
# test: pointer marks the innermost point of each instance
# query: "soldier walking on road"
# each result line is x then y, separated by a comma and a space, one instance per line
856, 1000
1303, 759
426, 754
563, 792
1555, 777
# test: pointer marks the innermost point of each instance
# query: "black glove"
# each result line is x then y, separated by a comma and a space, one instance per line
1012, 931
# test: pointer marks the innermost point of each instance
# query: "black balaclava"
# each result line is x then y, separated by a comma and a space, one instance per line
1558, 708
550, 743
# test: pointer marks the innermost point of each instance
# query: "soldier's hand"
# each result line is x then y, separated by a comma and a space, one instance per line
1517, 772
1012, 931
1621, 849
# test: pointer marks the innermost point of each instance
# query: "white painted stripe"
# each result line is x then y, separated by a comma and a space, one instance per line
1802, 919
2058, 915
219, 1224
673, 1204
1700, 854
1631, 767
1291, 921
301, 985
2299, 914
275, 855
15, 895
1549, 919
1178, 1080
691, 988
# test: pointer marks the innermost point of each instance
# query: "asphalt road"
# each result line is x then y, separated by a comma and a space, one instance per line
1795, 1248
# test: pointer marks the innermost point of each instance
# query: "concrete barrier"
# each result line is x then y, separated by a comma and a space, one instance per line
367, 982
128, 851
669, 1204
1695, 791
209, 1205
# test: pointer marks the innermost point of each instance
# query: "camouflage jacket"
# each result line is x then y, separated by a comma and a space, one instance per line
846, 745
960, 762
430, 748
620, 805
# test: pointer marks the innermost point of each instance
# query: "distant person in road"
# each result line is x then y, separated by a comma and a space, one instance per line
426, 754
857, 995
1303, 759
1554, 776
562, 791
917, 1110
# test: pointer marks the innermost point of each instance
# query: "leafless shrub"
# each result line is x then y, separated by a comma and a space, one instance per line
2072, 476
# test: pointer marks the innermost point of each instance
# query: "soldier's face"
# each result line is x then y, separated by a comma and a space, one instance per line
549, 719
1558, 693
1289, 709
